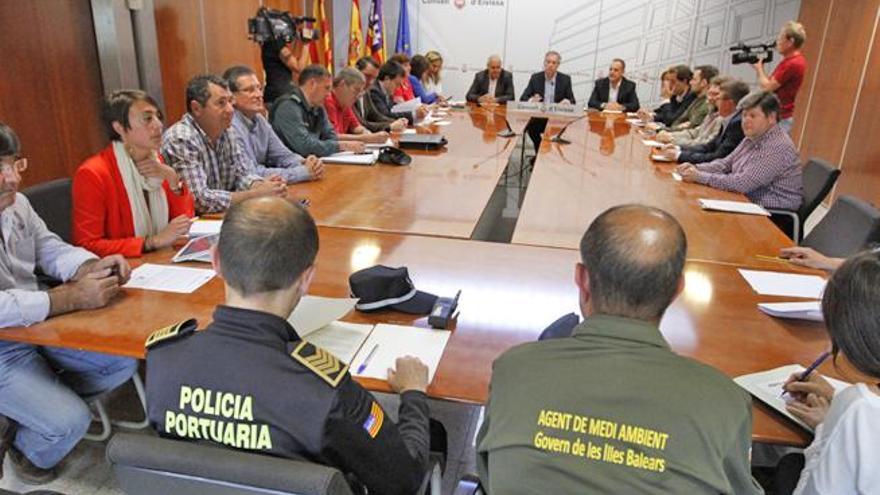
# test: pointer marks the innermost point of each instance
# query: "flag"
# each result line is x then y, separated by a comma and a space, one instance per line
355, 35
403, 44
321, 51
376, 32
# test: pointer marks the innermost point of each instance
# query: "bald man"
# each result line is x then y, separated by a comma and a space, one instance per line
252, 358
493, 85
610, 408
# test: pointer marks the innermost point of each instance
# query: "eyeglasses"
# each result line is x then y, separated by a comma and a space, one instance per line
17, 164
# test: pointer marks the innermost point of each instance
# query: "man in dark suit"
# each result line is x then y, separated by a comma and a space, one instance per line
615, 92
730, 93
541, 86
493, 85
379, 105
370, 69
679, 101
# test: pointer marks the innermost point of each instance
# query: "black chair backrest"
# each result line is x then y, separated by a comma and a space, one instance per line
849, 226
146, 464
818, 177
51, 200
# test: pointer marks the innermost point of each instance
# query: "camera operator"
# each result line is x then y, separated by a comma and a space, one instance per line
283, 62
789, 74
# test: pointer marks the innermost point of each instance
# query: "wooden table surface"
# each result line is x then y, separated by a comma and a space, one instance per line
606, 165
442, 193
509, 294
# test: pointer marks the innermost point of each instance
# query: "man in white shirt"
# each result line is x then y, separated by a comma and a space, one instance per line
43, 413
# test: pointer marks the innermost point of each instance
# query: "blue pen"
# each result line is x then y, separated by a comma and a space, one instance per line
806, 374
366, 362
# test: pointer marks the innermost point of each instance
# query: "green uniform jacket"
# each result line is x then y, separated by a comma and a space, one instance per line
612, 409
694, 114
303, 128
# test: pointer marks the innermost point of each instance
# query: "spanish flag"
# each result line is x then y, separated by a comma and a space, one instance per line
321, 51
355, 34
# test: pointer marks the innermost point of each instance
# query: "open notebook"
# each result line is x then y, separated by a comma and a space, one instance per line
766, 386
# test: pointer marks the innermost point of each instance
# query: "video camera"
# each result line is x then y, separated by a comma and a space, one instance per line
750, 54
270, 24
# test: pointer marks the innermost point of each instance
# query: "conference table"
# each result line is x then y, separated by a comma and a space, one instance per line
510, 292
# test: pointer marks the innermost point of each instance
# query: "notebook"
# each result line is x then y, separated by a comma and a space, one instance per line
350, 158
810, 310
766, 386
733, 206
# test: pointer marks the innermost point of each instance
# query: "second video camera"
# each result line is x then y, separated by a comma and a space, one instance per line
751, 54
280, 26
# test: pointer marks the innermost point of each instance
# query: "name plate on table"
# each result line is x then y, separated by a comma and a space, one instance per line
539, 108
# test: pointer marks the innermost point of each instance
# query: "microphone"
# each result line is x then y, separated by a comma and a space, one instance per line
558, 137
506, 133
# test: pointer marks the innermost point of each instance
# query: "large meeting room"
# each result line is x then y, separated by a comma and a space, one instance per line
439, 247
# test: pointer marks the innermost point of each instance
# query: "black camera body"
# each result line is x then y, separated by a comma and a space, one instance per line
751, 54
270, 24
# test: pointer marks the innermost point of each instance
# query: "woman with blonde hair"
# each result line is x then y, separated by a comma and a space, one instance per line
431, 81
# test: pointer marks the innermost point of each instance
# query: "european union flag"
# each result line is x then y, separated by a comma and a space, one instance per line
403, 44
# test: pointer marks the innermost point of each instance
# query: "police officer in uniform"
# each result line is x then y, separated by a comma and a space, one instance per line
300, 120
610, 408
249, 382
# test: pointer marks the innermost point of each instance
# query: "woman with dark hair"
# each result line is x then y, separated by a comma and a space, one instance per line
125, 199
405, 91
418, 68
843, 456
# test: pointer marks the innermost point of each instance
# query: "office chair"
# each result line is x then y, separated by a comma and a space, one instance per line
849, 226
818, 177
51, 200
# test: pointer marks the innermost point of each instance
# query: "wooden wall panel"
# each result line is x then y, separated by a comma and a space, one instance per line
181, 50
861, 161
226, 34
837, 81
814, 15
51, 84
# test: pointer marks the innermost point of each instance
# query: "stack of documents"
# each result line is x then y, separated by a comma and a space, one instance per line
784, 284
315, 320
378, 146
766, 386
166, 278
733, 206
407, 106
810, 310
351, 158
205, 227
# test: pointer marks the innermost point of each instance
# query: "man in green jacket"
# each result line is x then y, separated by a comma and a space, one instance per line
610, 408
700, 107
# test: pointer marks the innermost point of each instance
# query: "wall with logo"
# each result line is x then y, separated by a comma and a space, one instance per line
649, 34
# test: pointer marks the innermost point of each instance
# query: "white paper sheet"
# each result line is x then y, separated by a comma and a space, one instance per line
811, 310
407, 106
205, 227
442, 122
409, 131
733, 207
636, 122
676, 176
784, 284
340, 338
166, 278
350, 158
652, 143
394, 341
661, 158
767, 387
314, 312
612, 111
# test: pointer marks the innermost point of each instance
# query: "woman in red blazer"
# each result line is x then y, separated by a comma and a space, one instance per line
125, 200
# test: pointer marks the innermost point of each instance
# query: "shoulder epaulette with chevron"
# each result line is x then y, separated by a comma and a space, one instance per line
171, 332
322, 363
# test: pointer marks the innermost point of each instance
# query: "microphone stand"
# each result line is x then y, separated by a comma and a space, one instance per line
506, 133
558, 137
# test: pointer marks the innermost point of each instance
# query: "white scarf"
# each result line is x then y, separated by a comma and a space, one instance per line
148, 219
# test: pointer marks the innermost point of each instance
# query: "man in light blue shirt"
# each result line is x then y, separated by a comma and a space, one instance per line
43, 413
256, 137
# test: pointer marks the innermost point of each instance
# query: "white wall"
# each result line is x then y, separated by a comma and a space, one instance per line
649, 34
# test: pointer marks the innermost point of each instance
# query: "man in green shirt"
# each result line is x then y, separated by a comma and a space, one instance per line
610, 408
700, 107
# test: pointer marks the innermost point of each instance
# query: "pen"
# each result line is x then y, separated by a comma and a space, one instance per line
819, 360
771, 258
366, 362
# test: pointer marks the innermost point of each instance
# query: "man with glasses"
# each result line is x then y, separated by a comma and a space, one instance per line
256, 137
348, 85
43, 390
